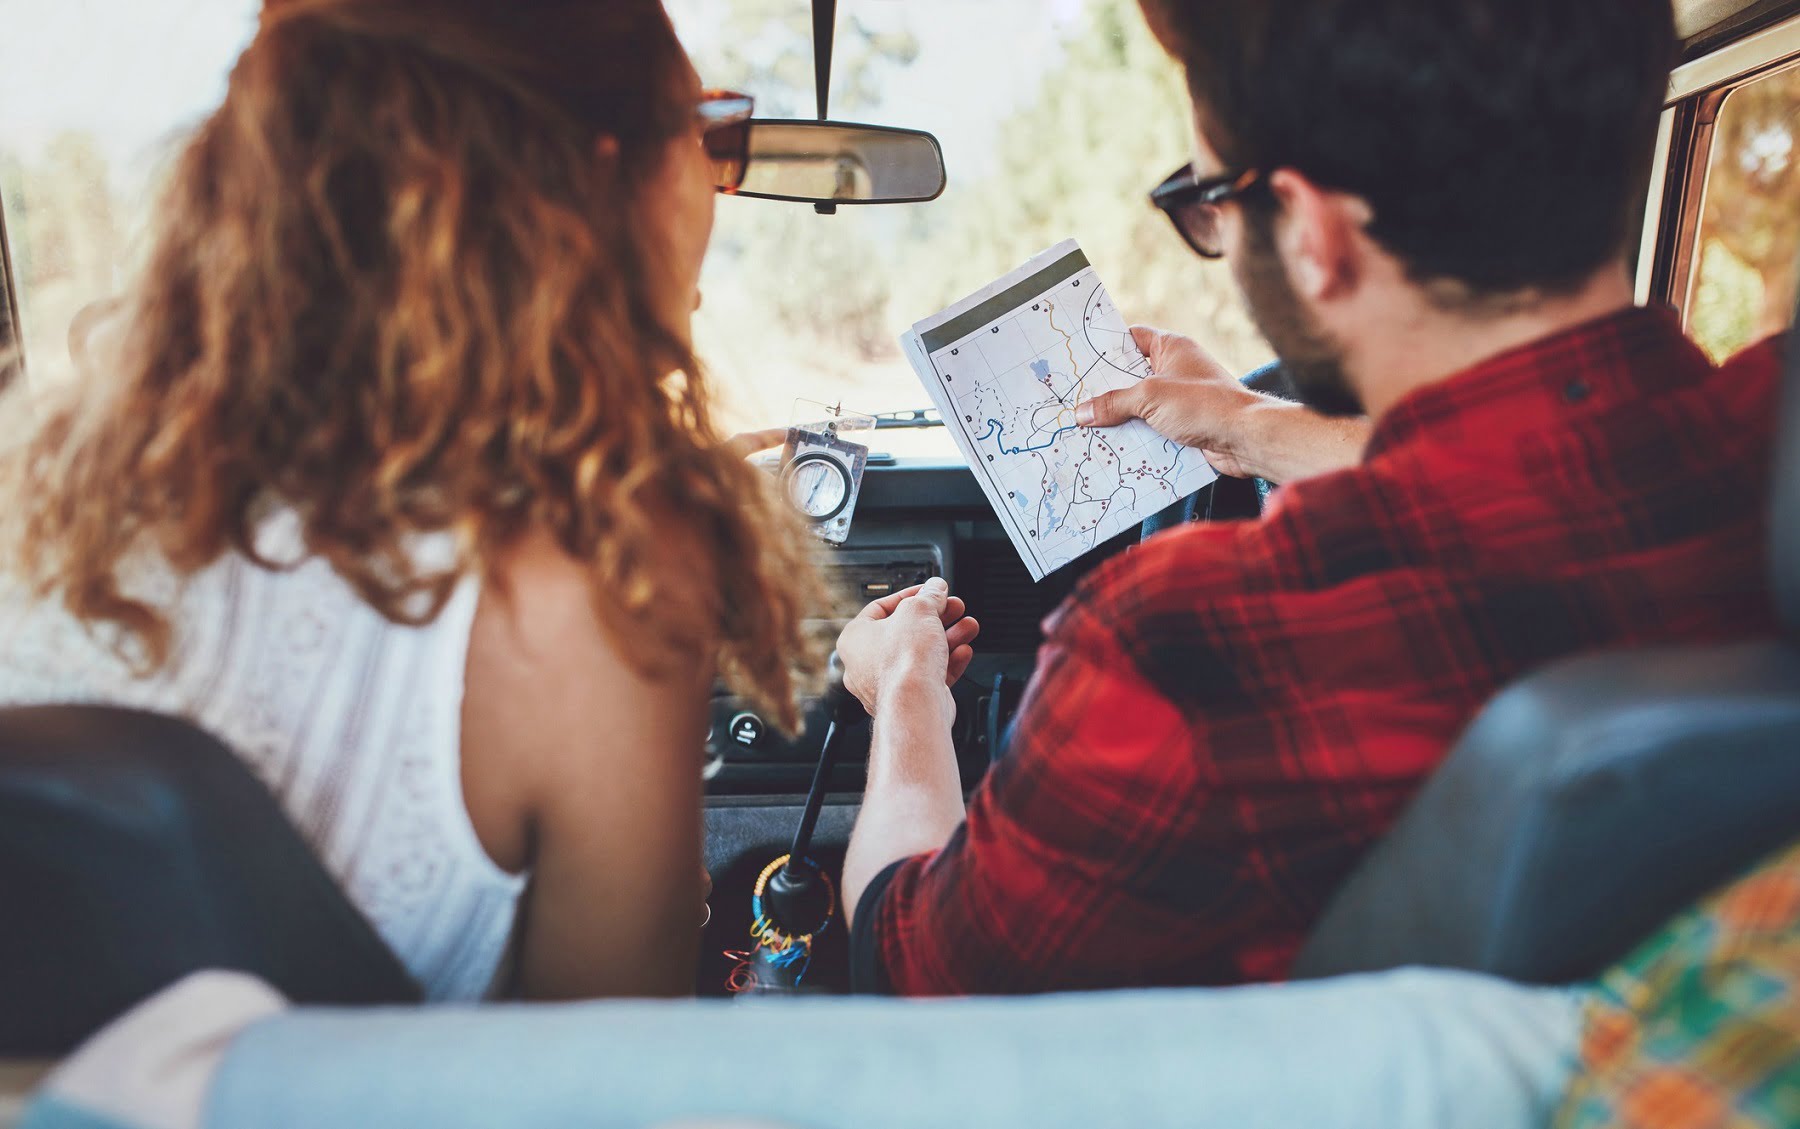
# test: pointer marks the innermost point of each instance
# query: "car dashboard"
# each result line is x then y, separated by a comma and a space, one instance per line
915, 518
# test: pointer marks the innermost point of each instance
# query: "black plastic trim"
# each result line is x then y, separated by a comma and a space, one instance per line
922, 484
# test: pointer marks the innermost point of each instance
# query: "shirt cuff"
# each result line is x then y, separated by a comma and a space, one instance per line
868, 975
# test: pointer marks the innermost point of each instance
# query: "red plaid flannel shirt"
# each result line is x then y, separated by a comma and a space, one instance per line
1225, 718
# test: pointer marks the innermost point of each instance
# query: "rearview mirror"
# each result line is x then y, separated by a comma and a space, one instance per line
829, 163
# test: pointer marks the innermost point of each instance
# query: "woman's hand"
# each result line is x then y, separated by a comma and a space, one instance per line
914, 639
747, 443
1191, 399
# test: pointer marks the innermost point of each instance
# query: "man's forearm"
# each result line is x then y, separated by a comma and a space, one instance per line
1283, 441
913, 801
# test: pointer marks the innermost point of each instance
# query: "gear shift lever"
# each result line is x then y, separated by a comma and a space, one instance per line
794, 901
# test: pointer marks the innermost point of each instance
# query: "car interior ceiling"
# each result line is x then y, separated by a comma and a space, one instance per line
1699, 22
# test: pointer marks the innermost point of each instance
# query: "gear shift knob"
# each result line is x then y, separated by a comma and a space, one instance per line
845, 709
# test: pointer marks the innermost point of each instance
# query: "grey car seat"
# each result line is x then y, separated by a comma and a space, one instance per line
1593, 800
135, 849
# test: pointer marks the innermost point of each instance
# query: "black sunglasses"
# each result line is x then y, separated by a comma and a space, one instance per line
1195, 206
725, 134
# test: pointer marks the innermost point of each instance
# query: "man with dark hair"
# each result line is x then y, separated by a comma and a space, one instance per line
1449, 162
1428, 207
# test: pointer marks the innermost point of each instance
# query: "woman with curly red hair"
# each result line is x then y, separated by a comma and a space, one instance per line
397, 472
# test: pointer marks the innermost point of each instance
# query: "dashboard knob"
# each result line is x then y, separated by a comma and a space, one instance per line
746, 730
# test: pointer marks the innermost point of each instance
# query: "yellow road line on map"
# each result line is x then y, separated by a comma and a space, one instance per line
1069, 345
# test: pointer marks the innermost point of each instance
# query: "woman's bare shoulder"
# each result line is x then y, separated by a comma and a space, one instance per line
555, 702
546, 599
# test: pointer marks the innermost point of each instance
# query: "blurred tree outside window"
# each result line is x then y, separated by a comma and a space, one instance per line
98, 94
1747, 278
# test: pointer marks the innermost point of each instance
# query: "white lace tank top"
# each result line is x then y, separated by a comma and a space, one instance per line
353, 722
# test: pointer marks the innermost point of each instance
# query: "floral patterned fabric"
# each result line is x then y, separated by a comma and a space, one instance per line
1700, 1028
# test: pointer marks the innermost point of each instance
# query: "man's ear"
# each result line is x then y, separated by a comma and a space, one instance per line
1317, 235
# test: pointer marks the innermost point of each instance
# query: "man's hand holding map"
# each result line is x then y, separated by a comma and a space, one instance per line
1006, 368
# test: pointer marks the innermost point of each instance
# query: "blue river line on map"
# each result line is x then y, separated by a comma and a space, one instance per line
993, 432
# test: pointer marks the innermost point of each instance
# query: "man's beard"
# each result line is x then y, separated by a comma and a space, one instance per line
1311, 361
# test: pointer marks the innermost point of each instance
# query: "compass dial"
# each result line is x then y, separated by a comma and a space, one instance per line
818, 486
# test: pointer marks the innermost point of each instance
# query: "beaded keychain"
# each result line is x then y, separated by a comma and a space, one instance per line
771, 947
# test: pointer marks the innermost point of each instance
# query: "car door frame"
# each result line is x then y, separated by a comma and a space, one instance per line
1667, 265
12, 351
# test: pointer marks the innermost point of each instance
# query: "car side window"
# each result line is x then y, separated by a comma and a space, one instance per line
1747, 260
98, 94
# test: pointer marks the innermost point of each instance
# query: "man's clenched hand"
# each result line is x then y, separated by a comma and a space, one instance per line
913, 639
900, 657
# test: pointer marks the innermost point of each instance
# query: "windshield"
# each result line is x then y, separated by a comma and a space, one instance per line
1056, 117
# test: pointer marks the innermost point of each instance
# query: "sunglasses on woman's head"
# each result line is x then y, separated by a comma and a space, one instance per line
1196, 207
725, 134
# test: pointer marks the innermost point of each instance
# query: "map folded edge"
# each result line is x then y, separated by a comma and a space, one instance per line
1000, 285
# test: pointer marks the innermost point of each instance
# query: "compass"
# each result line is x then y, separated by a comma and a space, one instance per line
818, 485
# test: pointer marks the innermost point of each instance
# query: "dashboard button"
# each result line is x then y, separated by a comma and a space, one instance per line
747, 729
